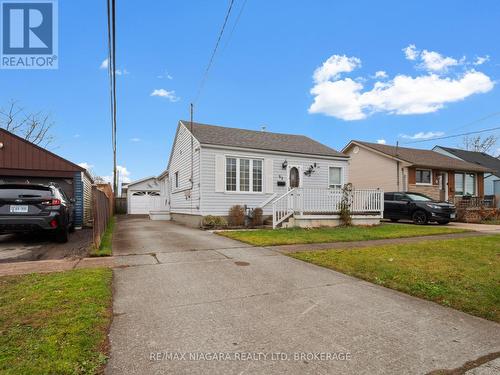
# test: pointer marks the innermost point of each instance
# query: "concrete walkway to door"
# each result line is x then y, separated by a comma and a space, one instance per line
211, 295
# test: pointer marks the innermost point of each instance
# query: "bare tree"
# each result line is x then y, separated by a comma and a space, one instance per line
34, 127
480, 144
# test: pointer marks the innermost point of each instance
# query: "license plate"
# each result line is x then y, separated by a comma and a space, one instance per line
18, 209
452, 216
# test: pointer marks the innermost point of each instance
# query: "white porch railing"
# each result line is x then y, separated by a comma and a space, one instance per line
317, 201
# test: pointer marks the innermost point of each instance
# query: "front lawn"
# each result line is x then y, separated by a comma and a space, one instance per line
105, 249
55, 323
462, 273
268, 237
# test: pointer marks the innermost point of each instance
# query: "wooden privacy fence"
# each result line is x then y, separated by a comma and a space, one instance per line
120, 205
102, 210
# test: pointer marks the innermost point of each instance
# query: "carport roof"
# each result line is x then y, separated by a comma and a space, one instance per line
19, 156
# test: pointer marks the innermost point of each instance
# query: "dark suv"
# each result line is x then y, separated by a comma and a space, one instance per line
417, 207
32, 207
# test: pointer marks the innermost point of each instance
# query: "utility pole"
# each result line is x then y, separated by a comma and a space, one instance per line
191, 108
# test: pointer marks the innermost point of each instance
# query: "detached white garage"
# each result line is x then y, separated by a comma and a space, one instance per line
143, 196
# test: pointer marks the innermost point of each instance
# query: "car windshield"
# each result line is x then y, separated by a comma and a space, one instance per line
14, 192
419, 197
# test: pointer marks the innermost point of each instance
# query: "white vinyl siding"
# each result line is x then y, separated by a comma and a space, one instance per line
184, 197
270, 171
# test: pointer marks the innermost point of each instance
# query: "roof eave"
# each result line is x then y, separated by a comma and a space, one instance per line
214, 145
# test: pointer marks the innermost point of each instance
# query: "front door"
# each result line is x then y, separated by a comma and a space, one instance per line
443, 186
294, 177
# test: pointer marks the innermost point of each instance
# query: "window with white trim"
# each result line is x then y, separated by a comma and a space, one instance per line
465, 184
231, 174
257, 175
423, 176
243, 175
176, 180
335, 177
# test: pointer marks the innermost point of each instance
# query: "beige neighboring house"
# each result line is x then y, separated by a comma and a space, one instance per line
394, 168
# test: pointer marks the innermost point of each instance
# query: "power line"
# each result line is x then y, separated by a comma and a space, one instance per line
454, 136
476, 121
210, 62
228, 39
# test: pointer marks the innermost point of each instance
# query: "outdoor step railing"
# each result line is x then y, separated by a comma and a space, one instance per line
318, 201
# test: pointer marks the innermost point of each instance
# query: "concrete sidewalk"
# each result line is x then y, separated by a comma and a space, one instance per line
45, 266
370, 243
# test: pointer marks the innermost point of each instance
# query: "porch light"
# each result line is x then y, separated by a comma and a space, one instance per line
284, 165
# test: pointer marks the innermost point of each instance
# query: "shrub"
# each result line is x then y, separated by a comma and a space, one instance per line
237, 216
211, 221
257, 217
345, 205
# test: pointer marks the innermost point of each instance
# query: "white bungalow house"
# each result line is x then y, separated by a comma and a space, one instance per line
293, 178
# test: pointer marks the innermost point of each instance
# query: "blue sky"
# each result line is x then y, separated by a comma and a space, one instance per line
263, 73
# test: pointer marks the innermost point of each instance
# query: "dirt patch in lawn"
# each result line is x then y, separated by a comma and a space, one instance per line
41, 246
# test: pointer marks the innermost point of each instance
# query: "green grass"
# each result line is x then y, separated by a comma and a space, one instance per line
55, 323
105, 250
268, 237
462, 273
491, 222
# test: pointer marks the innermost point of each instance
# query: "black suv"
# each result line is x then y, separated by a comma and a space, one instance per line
417, 207
32, 207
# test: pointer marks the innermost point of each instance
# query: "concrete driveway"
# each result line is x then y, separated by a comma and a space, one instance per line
214, 306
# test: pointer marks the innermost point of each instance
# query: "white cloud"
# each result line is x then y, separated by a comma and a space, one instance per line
431, 61
380, 74
104, 64
162, 93
480, 60
381, 141
423, 135
86, 165
123, 176
411, 52
135, 139
435, 62
118, 72
335, 65
165, 75
348, 99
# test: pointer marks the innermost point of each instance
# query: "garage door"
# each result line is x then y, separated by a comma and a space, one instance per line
141, 202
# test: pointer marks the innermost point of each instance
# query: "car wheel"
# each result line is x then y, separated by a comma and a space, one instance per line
420, 217
394, 220
62, 235
443, 222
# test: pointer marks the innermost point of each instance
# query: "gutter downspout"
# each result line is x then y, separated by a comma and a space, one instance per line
397, 175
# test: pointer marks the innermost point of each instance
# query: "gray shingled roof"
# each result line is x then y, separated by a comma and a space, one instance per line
261, 140
425, 158
475, 157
